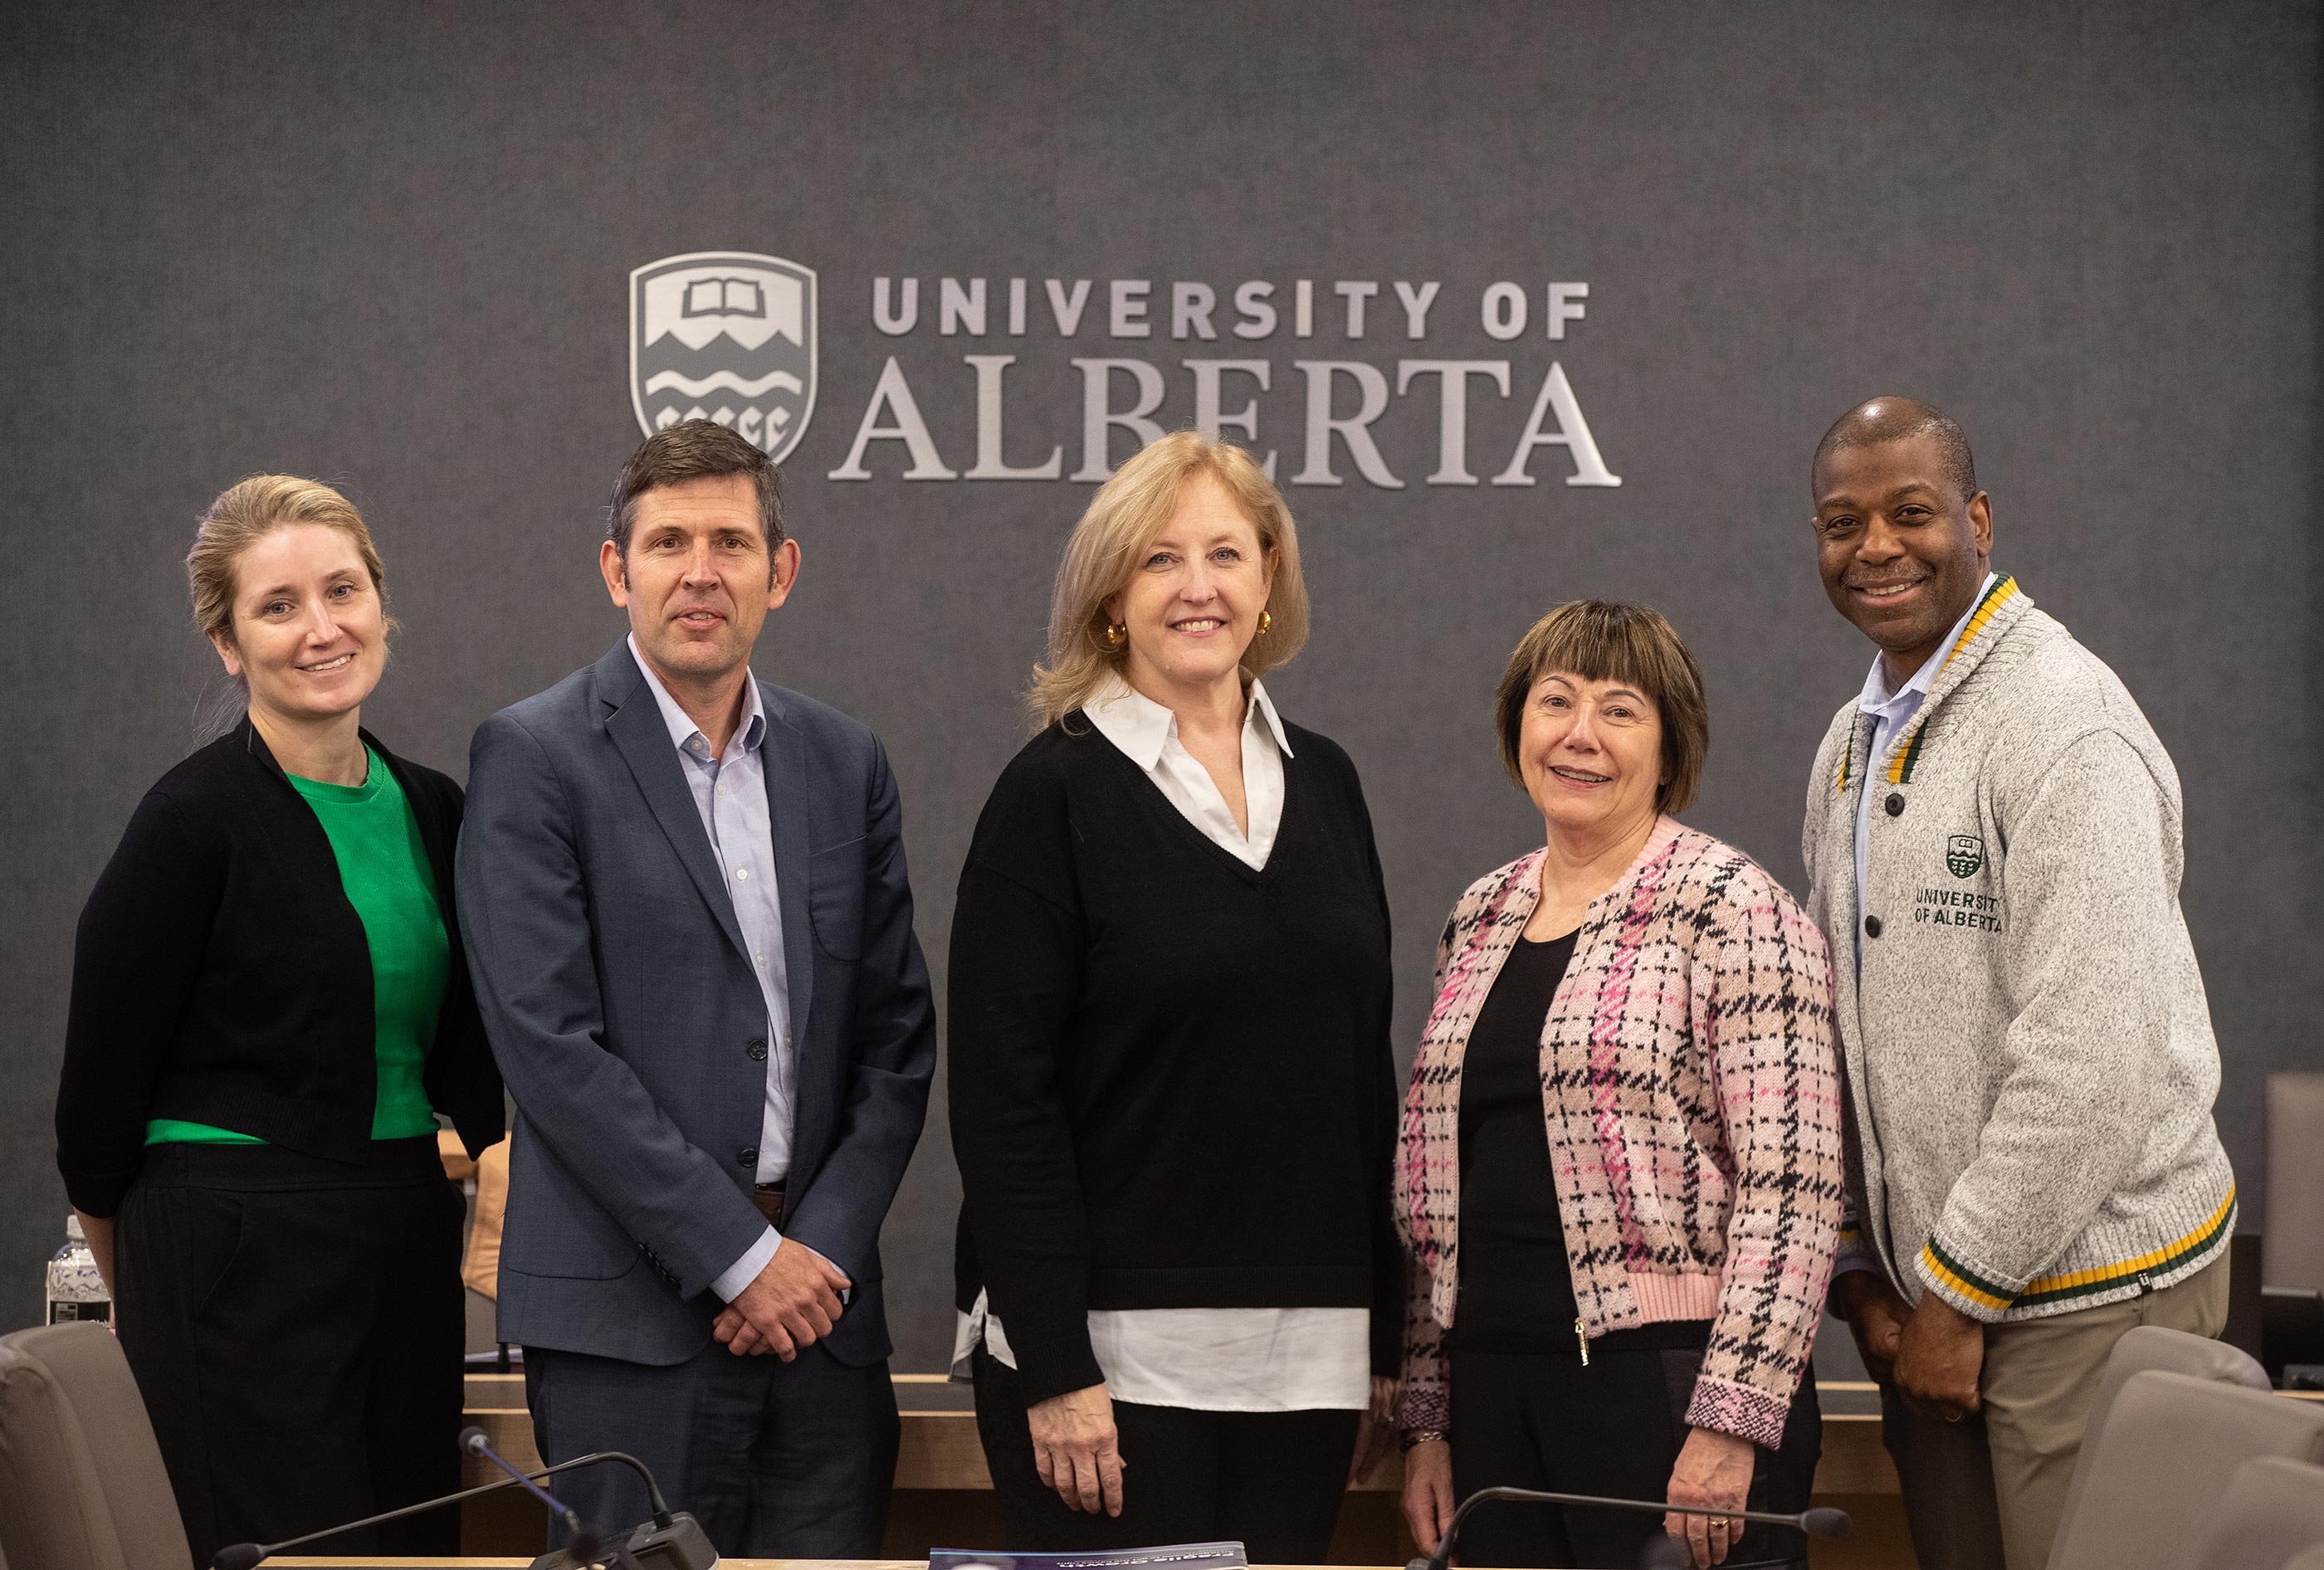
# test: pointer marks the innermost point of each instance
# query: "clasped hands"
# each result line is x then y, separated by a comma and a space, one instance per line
790, 1305
1932, 1353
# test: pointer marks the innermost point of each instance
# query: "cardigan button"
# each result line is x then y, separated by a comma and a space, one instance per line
749, 1158
755, 1049
1872, 926
1895, 804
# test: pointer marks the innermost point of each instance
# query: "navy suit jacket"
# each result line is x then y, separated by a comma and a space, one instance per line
629, 1025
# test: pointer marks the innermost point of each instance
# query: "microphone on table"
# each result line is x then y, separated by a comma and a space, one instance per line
581, 1544
1815, 1523
674, 1540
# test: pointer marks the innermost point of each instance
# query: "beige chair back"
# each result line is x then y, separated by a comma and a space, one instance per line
2273, 1509
81, 1481
2170, 1447
2151, 1346
482, 1267
2292, 1236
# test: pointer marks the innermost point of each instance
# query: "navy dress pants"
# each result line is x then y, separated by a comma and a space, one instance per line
777, 1460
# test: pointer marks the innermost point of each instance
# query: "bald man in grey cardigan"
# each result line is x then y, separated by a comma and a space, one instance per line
1994, 847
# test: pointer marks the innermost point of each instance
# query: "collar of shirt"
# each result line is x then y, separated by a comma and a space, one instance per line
1142, 727
684, 733
1899, 706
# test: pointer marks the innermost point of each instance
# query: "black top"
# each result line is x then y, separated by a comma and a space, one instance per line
221, 976
1516, 1285
1170, 1073
1516, 1278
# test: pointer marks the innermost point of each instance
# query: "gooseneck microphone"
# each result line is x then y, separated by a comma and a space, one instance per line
581, 1545
474, 1441
248, 1556
1815, 1523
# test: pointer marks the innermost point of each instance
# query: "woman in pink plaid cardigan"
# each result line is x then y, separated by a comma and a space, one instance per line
1620, 1174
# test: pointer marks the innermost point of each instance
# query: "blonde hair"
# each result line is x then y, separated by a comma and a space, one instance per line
246, 513
1602, 640
1103, 552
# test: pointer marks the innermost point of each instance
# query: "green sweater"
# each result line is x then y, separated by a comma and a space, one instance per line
384, 869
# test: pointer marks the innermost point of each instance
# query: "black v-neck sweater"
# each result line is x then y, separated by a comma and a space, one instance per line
1170, 1076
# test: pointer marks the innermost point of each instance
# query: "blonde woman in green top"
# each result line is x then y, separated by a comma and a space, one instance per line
269, 1011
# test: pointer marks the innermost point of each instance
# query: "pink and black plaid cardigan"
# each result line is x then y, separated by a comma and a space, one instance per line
1691, 1092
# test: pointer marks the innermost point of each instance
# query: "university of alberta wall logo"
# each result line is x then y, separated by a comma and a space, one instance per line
724, 335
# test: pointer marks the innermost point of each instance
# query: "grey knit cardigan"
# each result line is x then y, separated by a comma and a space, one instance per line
2027, 1046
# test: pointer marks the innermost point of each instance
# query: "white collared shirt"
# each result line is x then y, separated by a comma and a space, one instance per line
730, 795
1891, 712
1147, 734
1218, 1360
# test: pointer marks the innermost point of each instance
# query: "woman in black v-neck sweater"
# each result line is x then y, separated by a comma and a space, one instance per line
1172, 1087
1170, 1071
1171, 1081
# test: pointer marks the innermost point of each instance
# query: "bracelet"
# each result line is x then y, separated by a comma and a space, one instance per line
1411, 1437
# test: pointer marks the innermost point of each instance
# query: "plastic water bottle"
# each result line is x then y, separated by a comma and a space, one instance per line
76, 1290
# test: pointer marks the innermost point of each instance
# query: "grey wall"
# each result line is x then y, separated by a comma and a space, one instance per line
389, 246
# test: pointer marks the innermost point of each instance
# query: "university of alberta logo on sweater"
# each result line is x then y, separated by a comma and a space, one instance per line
1964, 854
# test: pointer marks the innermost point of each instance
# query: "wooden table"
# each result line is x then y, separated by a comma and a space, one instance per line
939, 1448
944, 1493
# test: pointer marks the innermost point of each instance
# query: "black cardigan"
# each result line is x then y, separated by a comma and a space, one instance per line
1171, 1081
221, 976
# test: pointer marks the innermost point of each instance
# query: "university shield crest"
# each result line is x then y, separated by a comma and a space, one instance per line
724, 335
1964, 854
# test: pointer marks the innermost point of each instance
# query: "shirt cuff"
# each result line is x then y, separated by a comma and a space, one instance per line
1852, 1261
744, 1271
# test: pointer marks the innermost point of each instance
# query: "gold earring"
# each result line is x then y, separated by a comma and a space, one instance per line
1265, 620
1116, 635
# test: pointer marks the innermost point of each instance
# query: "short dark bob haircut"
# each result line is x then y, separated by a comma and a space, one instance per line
1600, 640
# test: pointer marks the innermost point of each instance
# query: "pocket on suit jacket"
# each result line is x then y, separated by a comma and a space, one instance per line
550, 1227
834, 899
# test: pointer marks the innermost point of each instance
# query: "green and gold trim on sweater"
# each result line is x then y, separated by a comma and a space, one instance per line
1901, 761
1962, 1281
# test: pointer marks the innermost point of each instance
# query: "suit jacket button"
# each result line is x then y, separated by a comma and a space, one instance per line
1895, 804
756, 1047
1872, 926
749, 1158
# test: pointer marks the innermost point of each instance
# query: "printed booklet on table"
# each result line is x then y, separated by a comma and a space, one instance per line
1175, 1556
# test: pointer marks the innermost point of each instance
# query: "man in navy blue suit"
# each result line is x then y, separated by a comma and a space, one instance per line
683, 898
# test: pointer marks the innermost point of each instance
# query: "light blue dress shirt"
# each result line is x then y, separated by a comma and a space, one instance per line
730, 793
1891, 712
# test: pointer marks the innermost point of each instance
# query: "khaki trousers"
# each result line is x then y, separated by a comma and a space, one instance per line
1987, 1491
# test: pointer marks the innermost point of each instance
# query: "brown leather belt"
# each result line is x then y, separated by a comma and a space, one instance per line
769, 1199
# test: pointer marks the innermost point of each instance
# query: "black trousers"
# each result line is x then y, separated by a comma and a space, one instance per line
777, 1460
1271, 1480
296, 1328
1614, 1427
